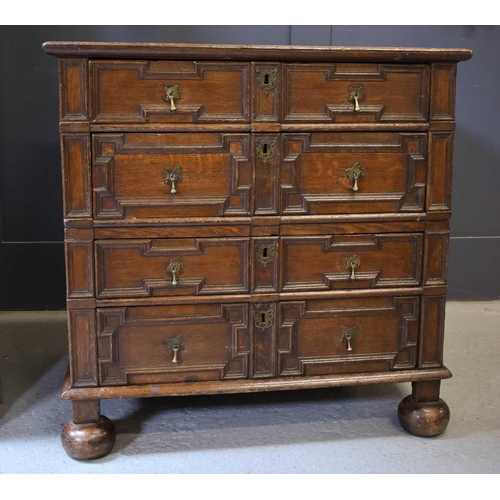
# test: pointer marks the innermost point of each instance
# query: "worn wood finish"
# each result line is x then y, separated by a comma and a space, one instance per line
266, 92
88, 411
322, 93
324, 262
139, 268
82, 347
266, 255
432, 331
424, 413
442, 105
155, 223
75, 153
129, 178
266, 181
248, 386
89, 435
134, 91
176, 231
440, 171
214, 340
314, 173
259, 297
297, 228
266, 150
127, 50
384, 335
79, 262
437, 241
73, 100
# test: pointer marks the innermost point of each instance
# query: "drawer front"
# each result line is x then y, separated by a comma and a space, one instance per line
169, 267
323, 337
355, 93
171, 175
181, 343
347, 173
351, 261
169, 92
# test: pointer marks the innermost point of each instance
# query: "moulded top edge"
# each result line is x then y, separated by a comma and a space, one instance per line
109, 50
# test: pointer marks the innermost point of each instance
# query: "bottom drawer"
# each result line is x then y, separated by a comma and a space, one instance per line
177, 343
211, 342
322, 337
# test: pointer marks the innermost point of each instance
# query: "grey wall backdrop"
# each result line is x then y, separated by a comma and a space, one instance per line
31, 232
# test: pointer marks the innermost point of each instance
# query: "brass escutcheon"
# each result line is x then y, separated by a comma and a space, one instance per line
356, 96
175, 268
267, 79
173, 175
352, 262
174, 345
265, 150
264, 318
265, 253
353, 173
171, 94
348, 335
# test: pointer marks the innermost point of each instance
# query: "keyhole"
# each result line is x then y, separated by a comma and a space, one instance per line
263, 317
264, 149
264, 252
266, 78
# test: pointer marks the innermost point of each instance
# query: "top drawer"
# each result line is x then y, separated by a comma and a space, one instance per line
355, 93
169, 92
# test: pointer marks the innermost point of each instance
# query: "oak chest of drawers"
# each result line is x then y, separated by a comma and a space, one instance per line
245, 218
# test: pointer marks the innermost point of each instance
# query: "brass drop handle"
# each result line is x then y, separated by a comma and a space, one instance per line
175, 350
175, 268
174, 345
171, 94
173, 175
348, 335
356, 96
355, 176
353, 173
352, 263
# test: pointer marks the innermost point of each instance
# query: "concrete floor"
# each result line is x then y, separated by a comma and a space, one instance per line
338, 430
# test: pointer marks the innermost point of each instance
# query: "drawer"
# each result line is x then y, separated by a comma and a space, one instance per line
181, 343
322, 337
168, 267
355, 93
353, 173
156, 267
145, 175
169, 92
333, 262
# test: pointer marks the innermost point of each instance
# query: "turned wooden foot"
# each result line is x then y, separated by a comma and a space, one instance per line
423, 413
89, 435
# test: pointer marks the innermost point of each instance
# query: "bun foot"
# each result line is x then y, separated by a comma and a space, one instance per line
88, 441
424, 419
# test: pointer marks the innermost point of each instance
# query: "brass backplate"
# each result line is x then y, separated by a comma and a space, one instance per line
267, 79
353, 261
265, 253
264, 318
348, 333
265, 150
172, 342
